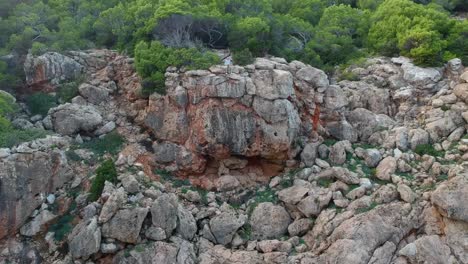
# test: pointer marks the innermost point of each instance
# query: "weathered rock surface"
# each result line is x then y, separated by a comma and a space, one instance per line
85, 239
69, 119
125, 225
25, 178
269, 221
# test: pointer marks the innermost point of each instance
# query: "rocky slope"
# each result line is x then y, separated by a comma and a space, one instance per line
295, 168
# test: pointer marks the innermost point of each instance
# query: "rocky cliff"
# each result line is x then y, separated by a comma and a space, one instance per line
297, 167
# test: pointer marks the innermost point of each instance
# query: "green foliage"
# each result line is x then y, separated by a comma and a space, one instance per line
427, 149
13, 137
323, 33
110, 143
62, 227
105, 172
66, 91
152, 60
176, 182
243, 57
420, 32
40, 103
7, 103
366, 209
324, 182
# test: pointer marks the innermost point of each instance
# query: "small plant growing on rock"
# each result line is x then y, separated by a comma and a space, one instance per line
427, 149
243, 57
105, 172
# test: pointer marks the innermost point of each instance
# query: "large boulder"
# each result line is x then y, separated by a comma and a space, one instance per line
68, 119
85, 239
269, 221
224, 226
164, 213
421, 77
450, 198
125, 225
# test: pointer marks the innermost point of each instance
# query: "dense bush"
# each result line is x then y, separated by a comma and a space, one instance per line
243, 57
105, 172
40, 103
152, 60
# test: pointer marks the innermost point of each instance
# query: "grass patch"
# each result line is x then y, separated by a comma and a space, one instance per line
406, 175
442, 177
202, 192
428, 149
105, 172
288, 179
15, 137
110, 143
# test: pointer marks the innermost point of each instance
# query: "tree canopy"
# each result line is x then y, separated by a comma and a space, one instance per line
323, 33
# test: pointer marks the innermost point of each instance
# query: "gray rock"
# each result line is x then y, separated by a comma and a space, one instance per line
317, 78
130, 184
85, 239
269, 221
109, 248
420, 77
125, 225
224, 226
372, 157
155, 233
22, 124
313, 204
37, 224
274, 84
68, 119
299, 227
93, 94
107, 128
386, 168
309, 153
51, 67
418, 137
292, 195
450, 198
164, 213
115, 201
406, 194
226, 183
337, 154
187, 226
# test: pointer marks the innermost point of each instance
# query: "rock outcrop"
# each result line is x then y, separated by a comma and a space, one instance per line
27, 175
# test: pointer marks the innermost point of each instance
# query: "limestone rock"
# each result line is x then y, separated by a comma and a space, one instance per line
68, 119
269, 221
85, 239
450, 198
125, 225
386, 168
164, 213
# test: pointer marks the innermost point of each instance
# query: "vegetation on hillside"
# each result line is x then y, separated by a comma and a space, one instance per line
323, 33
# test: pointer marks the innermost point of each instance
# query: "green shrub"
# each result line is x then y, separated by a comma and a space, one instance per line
5, 125
105, 172
14, 137
427, 149
243, 57
66, 91
152, 60
7, 103
110, 143
40, 103
62, 227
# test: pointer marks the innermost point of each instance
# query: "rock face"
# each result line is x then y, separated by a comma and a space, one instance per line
25, 178
50, 69
448, 195
125, 225
214, 115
